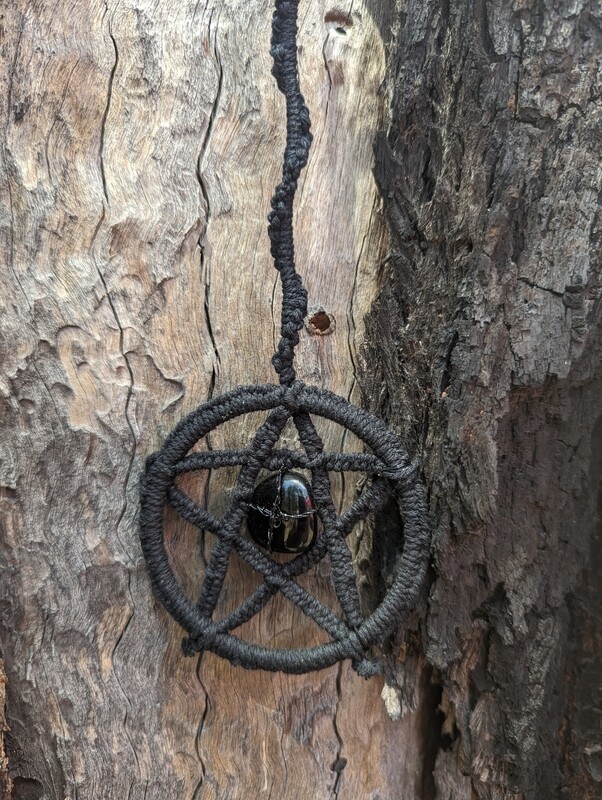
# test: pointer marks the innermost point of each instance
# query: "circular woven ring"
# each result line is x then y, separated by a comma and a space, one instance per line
395, 474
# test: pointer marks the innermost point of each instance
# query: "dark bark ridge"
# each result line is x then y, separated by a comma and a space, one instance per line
485, 351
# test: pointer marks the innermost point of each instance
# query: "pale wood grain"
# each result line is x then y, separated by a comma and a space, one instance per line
142, 143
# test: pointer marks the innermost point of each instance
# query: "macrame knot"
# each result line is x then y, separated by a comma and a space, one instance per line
291, 398
367, 668
403, 474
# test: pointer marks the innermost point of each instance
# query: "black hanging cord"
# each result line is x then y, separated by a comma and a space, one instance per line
280, 229
395, 476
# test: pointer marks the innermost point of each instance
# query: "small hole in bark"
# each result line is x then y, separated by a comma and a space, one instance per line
338, 21
339, 765
27, 789
319, 322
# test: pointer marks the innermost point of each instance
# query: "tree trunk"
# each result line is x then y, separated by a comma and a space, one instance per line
448, 231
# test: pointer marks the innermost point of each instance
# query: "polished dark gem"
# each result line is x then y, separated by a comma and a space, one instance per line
282, 517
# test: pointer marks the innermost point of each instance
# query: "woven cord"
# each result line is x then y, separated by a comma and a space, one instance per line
280, 228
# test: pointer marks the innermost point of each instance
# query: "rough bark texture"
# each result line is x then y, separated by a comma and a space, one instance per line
5, 782
140, 144
491, 310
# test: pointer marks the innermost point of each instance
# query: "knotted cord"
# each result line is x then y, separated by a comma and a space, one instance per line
394, 473
280, 229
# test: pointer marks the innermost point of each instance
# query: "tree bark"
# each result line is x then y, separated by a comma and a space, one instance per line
448, 230
487, 332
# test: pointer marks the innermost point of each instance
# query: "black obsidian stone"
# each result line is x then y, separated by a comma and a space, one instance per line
282, 517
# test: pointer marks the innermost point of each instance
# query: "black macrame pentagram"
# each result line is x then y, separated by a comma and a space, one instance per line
394, 473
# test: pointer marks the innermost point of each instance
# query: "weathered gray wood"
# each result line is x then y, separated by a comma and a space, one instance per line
140, 143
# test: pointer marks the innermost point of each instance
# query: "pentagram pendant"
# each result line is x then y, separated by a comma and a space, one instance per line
393, 475
283, 512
